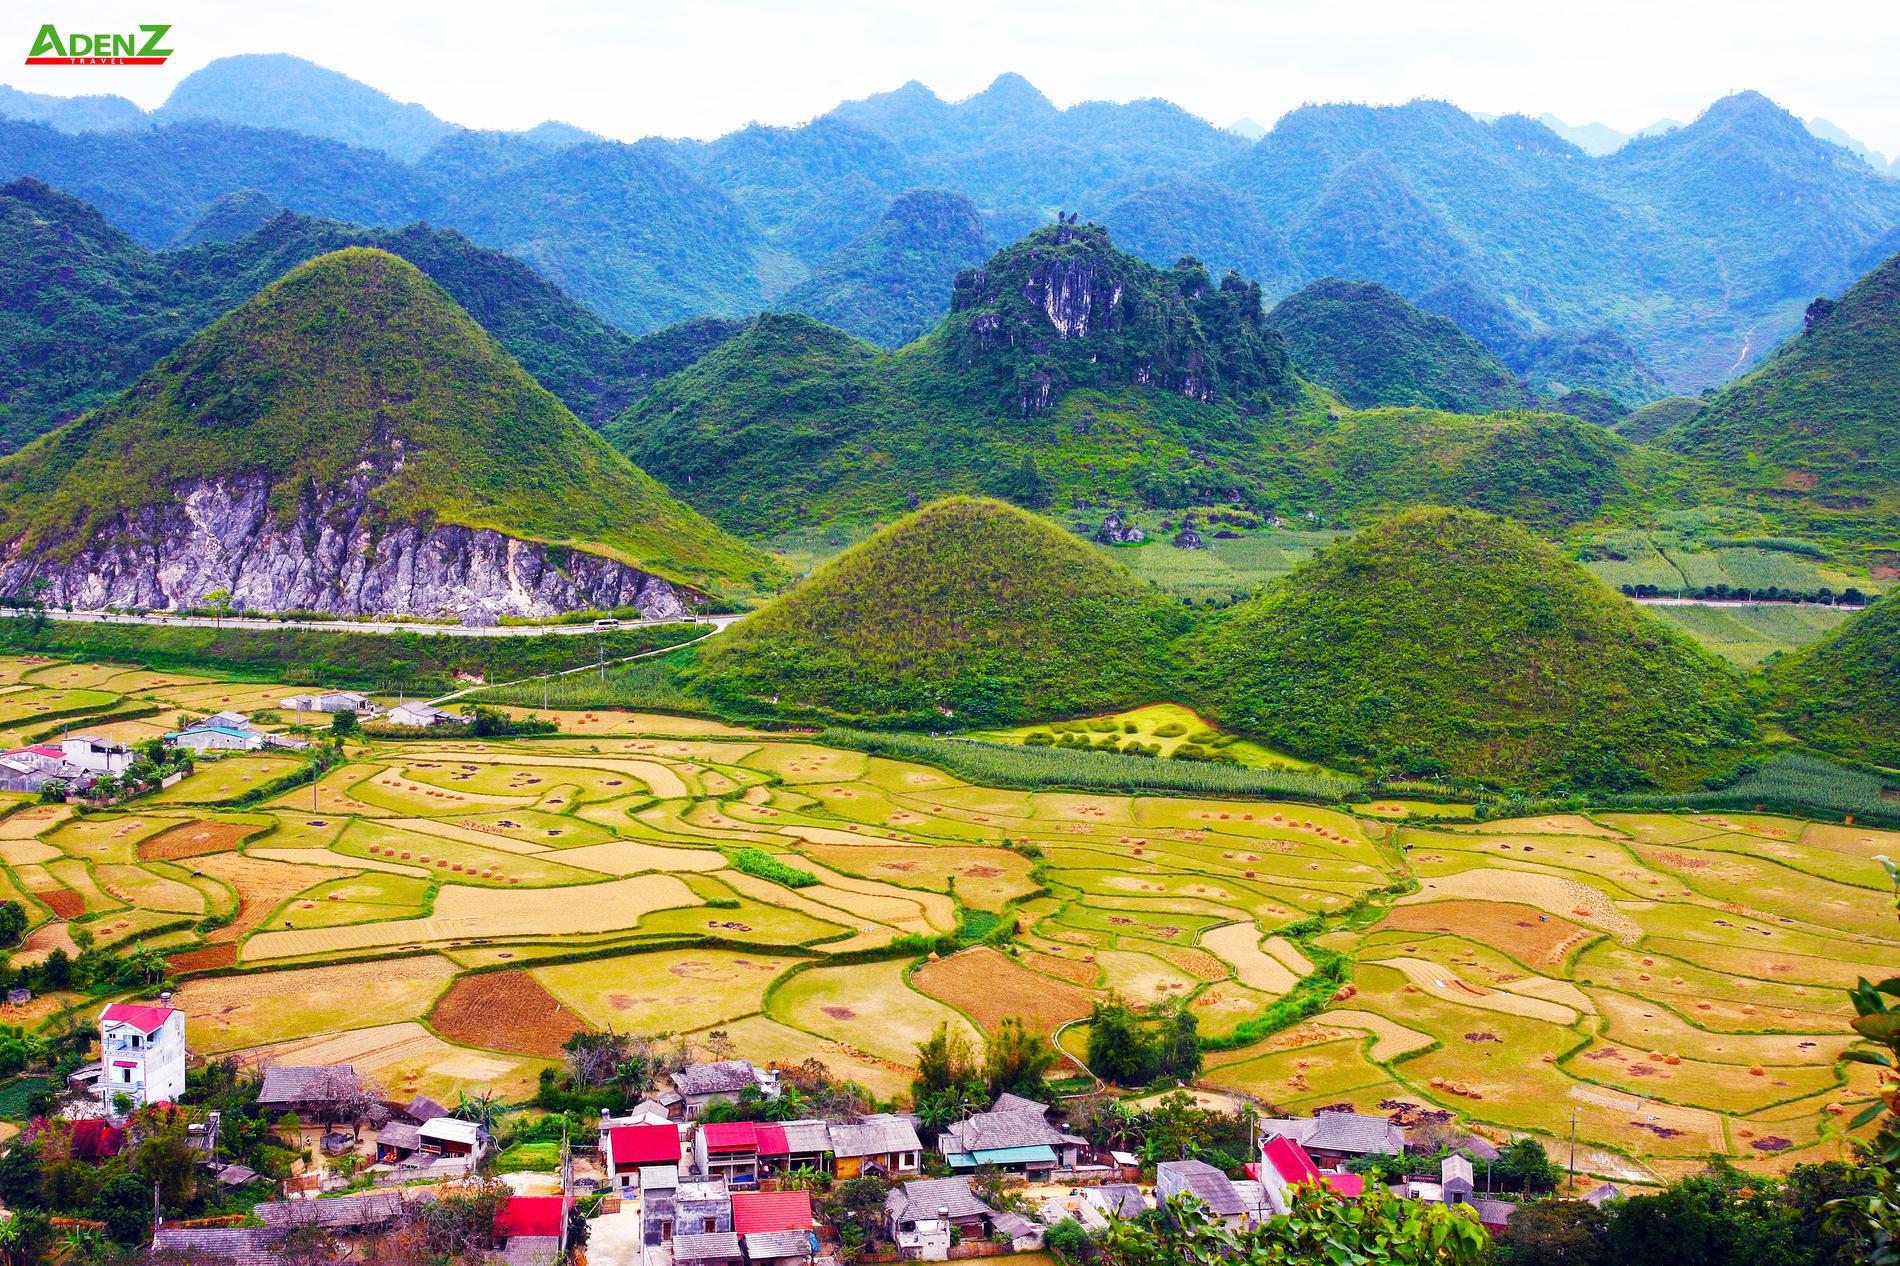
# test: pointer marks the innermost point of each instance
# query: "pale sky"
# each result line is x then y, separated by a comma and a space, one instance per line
702, 67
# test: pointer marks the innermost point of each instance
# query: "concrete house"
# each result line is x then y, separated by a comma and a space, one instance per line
94, 755
142, 1053
700, 1084
920, 1216
217, 738
774, 1227
728, 1151
420, 715
626, 1150
701, 1208
658, 1185
885, 1145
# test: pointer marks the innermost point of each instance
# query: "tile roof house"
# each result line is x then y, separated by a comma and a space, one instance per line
309, 1090
699, 1084
884, 1144
1011, 1138
919, 1215
791, 1145
219, 1246
712, 1248
777, 1248
1175, 1179
342, 1213
1333, 1138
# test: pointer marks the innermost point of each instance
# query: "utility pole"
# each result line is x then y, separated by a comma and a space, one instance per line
567, 1177
1573, 1147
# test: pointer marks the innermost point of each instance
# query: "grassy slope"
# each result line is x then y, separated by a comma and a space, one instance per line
339, 359
1840, 693
1370, 346
1453, 641
968, 604
1811, 431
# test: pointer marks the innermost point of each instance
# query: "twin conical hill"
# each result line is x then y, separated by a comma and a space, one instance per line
1450, 642
1840, 693
969, 605
354, 384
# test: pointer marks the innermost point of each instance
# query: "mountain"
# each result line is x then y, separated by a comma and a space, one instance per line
1451, 643
967, 605
1838, 693
1246, 129
84, 309
71, 114
1642, 425
1836, 136
1081, 369
276, 90
1813, 432
1370, 347
892, 283
234, 216
1594, 139
349, 441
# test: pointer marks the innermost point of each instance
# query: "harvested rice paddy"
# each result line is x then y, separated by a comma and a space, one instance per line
443, 914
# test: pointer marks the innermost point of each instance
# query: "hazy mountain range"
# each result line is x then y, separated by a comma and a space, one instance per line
1673, 262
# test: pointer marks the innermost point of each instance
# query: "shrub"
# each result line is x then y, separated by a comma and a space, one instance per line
762, 865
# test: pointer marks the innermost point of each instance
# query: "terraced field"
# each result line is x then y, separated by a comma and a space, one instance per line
445, 912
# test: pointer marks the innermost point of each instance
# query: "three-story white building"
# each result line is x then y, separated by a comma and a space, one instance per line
142, 1053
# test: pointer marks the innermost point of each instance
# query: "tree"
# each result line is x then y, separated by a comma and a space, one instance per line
944, 1059
1377, 1229
1523, 1163
1118, 1050
165, 1156
12, 922
20, 1177
1014, 1060
1068, 1240
343, 722
1554, 1233
26, 1238
124, 1204
856, 1208
1180, 1043
219, 600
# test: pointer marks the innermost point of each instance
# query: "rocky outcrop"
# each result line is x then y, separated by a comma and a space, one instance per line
1189, 537
1116, 532
334, 552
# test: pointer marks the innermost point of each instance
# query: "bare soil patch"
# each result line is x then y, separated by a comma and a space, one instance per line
1526, 934
63, 902
990, 988
207, 958
505, 1011
1074, 970
192, 839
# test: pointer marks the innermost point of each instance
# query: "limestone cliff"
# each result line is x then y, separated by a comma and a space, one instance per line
334, 553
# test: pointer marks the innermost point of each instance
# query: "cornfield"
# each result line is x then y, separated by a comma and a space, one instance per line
996, 765
644, 683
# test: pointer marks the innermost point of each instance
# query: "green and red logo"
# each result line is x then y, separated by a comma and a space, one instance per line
86, 48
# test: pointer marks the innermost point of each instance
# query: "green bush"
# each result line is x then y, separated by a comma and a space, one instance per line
762, 865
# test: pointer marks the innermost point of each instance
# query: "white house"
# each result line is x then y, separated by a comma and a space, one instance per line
331, 701
142, 1052
96, 755
420, 715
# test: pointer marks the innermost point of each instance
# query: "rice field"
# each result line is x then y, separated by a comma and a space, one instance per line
1674, 973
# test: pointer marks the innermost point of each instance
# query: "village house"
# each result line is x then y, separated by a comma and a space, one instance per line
1210, 1186
93, 755
659, 1206
884, 1145
31, 768
1333, 1138
332, 701
625, 1150
700, 1084
924, 1217
774, 1227
1285, 1165
320, 1094
701, 1207
419, 715
728, 1151
1455, 1184
209, 737
793, 1145
142, 1053
712, 1248
1015, 1136
530, 1229
236, 1245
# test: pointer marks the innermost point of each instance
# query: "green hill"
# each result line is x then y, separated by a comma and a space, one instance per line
968, 604
1371, 347
892, 282
1448, 642
84, 309
1640, 426
357, 368
1112, 379
1839, 693
1814, 432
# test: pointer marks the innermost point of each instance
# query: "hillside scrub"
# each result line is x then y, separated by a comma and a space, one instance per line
968, 608
1843, 693
1449, 642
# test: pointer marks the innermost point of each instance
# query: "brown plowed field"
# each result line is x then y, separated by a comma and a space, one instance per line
505, 1011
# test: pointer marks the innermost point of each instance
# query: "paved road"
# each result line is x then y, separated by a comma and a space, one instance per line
1738, 602
358, 626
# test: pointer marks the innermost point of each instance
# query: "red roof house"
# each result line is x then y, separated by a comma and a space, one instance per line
95, 1140
1351, 1186
146, 1018
635, 1145
1290, 1161
730, 1136
531, 1215
772, 1141
761, 1211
